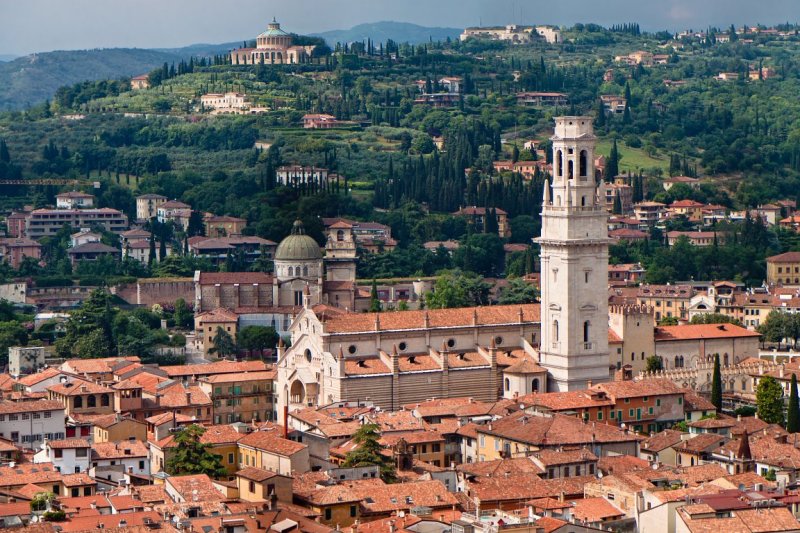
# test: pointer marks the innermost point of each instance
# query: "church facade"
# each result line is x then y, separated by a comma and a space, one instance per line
273, 47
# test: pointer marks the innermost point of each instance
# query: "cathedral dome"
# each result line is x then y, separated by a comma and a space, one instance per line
298, 246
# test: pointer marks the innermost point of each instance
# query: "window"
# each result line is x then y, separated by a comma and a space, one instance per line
630, 413
555, 330
566, 471
328, 513
611, 415
353, 509
81, 452
650, 410
507, 384
599, 415
658, 402
141, 465
25, 416
76, 492
586, 331
252, 487
37, 416
13, 417
230, 458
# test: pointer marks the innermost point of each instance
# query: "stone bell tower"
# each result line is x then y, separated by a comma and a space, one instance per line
574, 258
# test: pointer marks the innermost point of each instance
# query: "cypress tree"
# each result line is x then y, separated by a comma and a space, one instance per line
793, 413
152, 256
716, 384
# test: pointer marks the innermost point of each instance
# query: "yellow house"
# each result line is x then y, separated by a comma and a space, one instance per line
118, 428
222, 438
784, 269
267, 449
207, 325
257, 485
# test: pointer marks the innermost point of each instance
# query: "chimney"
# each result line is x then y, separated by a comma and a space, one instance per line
285, 421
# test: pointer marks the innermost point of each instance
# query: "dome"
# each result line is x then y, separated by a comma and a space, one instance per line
298, 246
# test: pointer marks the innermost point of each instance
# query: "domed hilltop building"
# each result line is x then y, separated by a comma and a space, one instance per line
273, 47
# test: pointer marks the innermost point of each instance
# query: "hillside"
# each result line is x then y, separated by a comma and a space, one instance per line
32, 79
400, 32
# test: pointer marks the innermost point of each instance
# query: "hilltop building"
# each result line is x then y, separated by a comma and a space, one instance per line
273, 47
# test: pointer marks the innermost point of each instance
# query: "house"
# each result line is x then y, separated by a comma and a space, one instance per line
629, 235
140, 82
666, 300
116, 427
31, 422
660, 447
320, 121
243, 248
79, 396
696, 238
784, 269
223, 226
649, 212
268, 449
74, 200
521, 433
541, 99
174, 211
147, 206
693, 183
613, 104
47, 222
91, 251
113, 461
14, 250
66, 455
478, 217
259, 485
241, 397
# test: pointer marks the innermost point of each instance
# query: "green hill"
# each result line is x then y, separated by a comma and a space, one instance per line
32, 79
401, 32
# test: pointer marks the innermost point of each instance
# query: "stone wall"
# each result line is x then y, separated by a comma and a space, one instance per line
156, 291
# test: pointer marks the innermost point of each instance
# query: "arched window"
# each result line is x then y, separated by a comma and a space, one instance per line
586, 327
305, 271
91, 401
104, 400
571, 169
677, 362
583, 201
559, 163
584, 163
340, 235
555, 330
535, 385
78, 403
725, 359
507, 384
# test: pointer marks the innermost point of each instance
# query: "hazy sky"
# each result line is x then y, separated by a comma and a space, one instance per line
41, 25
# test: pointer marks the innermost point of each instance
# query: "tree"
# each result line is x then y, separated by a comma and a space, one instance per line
653, 364
223, 344
793, 412
374, 302
182, 315
612, 165
668, 321
257, 338
769, 400
195, 226
716, 384
458, 289
190, 456
368, 452
518, 291
714, 318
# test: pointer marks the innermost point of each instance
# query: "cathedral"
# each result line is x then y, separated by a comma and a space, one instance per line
273, 47
396, 358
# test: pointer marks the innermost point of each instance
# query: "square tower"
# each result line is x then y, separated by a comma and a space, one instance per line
574, 258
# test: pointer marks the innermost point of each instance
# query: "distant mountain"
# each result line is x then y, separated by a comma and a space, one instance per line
401, 32
201, 50
6, 57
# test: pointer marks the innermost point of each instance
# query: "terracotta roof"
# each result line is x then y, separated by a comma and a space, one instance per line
365, 366
96, 366
554, 430
550, 457
402, 496
705, 442
65, 444
242, 376
272, 442
662, 441
565, 401
788, 257
217, 367
79, 386
526, 366
118, 450
199, 485
217, 315
33, 379
110, 522
437, 318
179, 396
7, 407
256, 474
151, 493
500, 467
702, 331
591, 510
617, 464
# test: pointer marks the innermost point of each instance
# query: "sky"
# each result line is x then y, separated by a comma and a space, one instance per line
28, 26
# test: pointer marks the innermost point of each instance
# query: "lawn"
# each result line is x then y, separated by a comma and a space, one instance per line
633, 159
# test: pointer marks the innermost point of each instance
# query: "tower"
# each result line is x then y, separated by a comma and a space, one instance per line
574, 258
340, 252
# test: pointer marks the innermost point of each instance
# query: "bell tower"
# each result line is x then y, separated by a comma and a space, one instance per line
574, 258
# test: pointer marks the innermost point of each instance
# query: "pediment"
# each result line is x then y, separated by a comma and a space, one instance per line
588, 307
555, 307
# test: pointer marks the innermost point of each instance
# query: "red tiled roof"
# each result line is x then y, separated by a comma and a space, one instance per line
229, 278
7, 407
702, 331
400, 320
